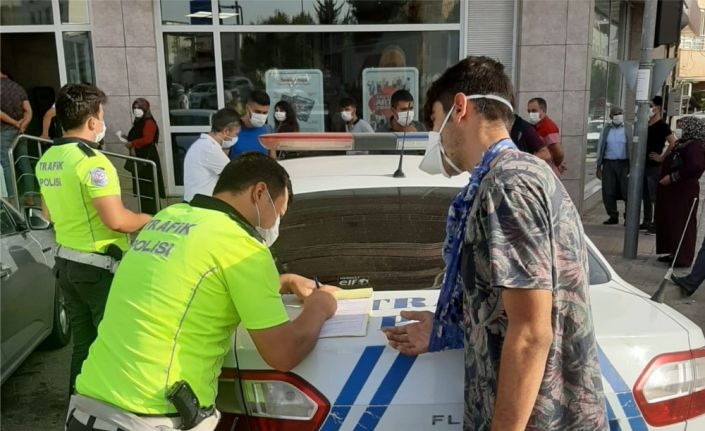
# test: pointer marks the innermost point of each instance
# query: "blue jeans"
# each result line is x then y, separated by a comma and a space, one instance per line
23, 168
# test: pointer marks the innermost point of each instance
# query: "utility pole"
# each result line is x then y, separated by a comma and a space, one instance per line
643, 94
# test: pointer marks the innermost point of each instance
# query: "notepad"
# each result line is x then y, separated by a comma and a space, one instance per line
351, 317
350, 320
354, 293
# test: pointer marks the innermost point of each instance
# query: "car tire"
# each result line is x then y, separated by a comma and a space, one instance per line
61, 330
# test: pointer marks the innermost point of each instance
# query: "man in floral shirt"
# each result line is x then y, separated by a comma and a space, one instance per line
516, 290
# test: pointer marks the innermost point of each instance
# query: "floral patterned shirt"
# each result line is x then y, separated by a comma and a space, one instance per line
525, 233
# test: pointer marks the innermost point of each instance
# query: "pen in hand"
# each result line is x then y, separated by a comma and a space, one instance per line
315, 280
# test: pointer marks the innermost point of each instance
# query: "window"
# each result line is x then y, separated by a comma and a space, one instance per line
79, 56
310, 53
193, 12
7, 224
20, 12
331, 12
607, 40
190, 76
598, 273
74, 11
390, 237
338, 61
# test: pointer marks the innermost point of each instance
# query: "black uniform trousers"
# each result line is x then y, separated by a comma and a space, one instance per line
85, 289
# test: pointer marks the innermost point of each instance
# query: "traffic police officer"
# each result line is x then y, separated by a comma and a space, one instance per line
194, 273
81, 195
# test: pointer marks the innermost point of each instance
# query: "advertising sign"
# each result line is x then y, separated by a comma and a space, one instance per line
378, 85
303, 89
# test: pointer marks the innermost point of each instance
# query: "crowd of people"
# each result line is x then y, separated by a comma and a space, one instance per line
515, 253
674, 163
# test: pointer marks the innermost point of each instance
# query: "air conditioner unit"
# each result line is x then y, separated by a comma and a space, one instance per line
687, 89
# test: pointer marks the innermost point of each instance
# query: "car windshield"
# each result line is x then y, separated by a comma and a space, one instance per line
385, 238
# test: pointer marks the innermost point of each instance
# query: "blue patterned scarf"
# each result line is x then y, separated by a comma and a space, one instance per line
448, 323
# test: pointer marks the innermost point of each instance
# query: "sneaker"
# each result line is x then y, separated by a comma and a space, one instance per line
611, 220
645, 226
651, 230
667, 258
680, 282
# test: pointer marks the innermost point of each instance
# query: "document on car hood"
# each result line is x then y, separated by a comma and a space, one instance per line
350, 320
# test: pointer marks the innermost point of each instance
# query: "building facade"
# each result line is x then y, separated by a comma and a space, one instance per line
190, 57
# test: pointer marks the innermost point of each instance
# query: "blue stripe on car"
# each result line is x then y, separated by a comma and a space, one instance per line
385, 393
352, 388
611, 418
624, 394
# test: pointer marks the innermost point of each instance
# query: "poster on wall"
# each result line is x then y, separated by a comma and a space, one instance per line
303, 89
378, 85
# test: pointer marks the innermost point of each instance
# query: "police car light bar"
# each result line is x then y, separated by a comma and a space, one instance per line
326, 141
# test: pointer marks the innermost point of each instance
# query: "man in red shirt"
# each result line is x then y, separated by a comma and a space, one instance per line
548, 131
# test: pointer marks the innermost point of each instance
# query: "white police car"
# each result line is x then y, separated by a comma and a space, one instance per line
353, 224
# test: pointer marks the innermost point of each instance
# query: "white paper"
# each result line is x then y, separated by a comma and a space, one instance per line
643, 84
350, 319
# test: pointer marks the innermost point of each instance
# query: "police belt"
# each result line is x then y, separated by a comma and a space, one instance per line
102, 261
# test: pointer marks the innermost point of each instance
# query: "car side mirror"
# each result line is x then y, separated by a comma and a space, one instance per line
35, 219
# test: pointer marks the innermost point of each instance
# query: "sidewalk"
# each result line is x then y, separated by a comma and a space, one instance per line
644, 272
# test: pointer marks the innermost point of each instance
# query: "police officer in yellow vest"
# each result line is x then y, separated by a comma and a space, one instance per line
81, 196
194, 273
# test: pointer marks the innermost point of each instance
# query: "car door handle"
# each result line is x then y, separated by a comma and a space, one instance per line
5, 271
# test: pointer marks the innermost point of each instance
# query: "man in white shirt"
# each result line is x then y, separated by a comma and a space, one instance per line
206, 157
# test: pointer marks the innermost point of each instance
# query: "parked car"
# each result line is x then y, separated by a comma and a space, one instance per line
353, 224
32, 307
203, 96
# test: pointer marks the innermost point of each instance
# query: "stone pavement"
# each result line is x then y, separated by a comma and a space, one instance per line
644, 272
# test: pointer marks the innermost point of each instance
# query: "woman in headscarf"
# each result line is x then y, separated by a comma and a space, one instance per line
143, 138
678, 188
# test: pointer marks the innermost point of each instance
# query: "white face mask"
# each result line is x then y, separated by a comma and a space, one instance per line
534, 117
138, 112
280, 116
100, 135
228, 143
678, 133
432, 162
618, 120
270, 234
651, 112
258, 120
347, 116
405, 117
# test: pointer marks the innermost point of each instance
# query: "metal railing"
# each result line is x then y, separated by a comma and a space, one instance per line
26, 164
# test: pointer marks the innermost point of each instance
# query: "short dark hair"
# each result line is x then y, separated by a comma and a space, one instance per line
657, 101
542, 103
76, 103
347, 101
259, 97
249, 169
473, 75
226, 118
401, 96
